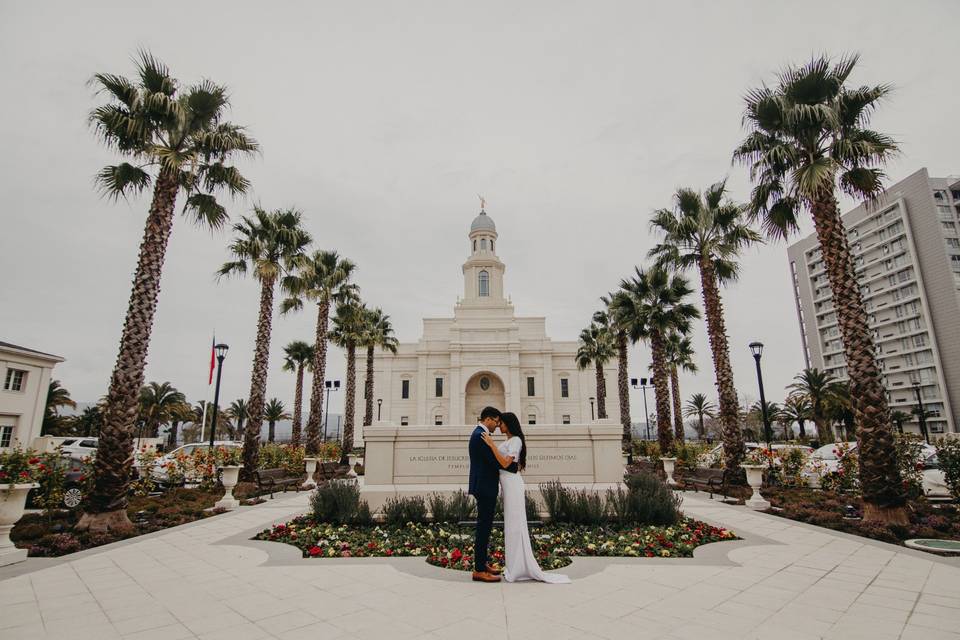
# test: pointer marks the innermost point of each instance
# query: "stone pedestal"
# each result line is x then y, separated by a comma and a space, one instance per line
310, 465
228, 477
13, 497
755, 480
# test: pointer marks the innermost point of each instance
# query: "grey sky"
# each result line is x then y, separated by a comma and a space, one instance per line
382, 121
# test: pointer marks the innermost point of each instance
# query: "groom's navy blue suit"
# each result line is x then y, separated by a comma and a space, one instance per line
484, 486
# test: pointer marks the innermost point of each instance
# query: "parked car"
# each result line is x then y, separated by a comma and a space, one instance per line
825, 460
73, 484
79, 447
159, 474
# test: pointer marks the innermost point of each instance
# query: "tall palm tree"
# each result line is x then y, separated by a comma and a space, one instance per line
323, 277
699, 406
899, 417
182, 412
796, 408
349, 326
238, 411
756, 417
298, 356
175, 140
707, 232
817, 388
809, 135
158, 401
57, 396
378, 333
597, 348
273, 412
617, 325
679, 354
270, 243
658, 307
223, 420
840, 409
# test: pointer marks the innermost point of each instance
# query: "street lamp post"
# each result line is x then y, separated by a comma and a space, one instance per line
331, 385
643, 385
379, 402
921, 414
757, 349
591, 408
221, 350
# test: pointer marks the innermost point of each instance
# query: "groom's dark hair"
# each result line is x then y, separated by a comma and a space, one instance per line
489, 412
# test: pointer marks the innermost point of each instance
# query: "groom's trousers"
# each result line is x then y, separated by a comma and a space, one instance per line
486, 505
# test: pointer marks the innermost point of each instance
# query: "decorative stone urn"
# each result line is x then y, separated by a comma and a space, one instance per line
352, 461
311, 467
755, 480
13, 497
228, 476
668, 466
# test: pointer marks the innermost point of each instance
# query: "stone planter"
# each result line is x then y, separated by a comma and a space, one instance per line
13, 497
228, 476
755, 480
311, 467
352, 461
668, 468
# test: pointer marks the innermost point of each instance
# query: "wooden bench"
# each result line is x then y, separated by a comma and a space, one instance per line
274, 479
712, 480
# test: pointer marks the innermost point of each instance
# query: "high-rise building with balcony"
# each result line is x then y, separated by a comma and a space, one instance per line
906, 253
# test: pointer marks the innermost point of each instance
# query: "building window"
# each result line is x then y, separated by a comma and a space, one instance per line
483, 244
404, 389
564, 388
6, 436
438, 420
404, 421
566, 419
474, 246
491, 245
484, 284
16, 380
531, 386
532, 418
439, 387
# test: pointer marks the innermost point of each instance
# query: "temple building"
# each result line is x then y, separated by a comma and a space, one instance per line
484, 355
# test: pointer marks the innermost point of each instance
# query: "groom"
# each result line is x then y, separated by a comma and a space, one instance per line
484, 486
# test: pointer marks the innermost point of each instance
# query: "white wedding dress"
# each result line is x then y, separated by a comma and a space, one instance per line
520, 563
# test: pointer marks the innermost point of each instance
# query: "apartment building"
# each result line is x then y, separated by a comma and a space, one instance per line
906, 252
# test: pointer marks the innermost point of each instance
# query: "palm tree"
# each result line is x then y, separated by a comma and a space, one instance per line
182, 412
223, 420
618, 327
273, 412
840, 408
796, 408
756, 417
348, 331
817, 388
899, 417
597, 348
657, 307
89, 422
270, 243
238, 411
176, 141
299, 356
679, 354
699, 406
158, 401
808, 136
707, 232
378, 333
323, 277
57, 396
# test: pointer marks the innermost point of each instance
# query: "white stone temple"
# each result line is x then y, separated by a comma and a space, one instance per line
484, 355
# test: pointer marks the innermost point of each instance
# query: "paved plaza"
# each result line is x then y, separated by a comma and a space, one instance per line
207, 580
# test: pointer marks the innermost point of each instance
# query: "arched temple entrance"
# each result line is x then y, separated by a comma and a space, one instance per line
483, 389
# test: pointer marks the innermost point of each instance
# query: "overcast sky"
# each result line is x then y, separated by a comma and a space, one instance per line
381, 121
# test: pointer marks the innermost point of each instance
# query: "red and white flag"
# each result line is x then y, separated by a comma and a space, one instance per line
212, 353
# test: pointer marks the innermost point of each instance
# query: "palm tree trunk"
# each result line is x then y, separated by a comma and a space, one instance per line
623, 389
319, 373
107, 505
701, 432
733, 449
271, 430
803, 432
661, 391
368, 389
677, 415
258, 380
172, 436
297, 408
601, 393
349, 403
883, 494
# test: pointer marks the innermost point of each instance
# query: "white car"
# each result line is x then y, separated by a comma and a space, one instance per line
825, 460
79, 448
159, 474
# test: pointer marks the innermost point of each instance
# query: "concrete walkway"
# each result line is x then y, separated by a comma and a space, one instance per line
207, 580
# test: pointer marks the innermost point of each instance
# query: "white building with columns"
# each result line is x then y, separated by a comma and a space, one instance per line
484, 355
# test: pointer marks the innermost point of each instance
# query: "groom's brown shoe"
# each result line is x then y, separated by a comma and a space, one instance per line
493, 571
484, 576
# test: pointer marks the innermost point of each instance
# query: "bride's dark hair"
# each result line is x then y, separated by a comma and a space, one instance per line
513, 426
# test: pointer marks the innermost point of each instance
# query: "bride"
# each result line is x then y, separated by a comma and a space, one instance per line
512, 456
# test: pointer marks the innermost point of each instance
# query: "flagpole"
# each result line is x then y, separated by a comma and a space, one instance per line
206, 401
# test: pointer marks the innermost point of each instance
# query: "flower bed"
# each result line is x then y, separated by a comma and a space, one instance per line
445, 546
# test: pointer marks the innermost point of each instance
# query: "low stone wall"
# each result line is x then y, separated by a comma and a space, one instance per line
417, 460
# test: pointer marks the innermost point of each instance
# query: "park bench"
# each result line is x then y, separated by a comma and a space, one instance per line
712, 480
271, 480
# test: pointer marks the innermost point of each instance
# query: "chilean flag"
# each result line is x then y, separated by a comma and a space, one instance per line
212, 358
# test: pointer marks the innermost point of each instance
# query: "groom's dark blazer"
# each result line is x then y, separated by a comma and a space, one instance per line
484, 468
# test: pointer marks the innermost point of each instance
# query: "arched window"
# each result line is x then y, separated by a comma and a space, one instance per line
491, 245
483, 244
474, 246
484, 284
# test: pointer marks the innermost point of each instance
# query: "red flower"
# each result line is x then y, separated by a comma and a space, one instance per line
345, 554
388, 552
314, 551
33, 460
456, 555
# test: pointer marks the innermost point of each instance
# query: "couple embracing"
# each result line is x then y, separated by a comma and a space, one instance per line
492, 468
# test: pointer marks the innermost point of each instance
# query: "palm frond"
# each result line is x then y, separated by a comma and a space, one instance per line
122, 180
206, 210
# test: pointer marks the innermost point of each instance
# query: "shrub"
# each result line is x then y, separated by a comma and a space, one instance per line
439, 507
555, 500
364, 517
462, 507
651, 502
400, 511
792, 462
533, 507
281, 456
688, 454
948, 455
586, 507
336, 502
646, 449
909, 450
